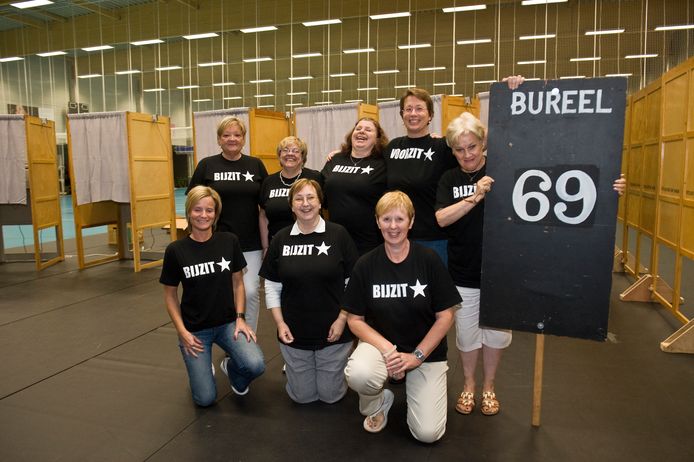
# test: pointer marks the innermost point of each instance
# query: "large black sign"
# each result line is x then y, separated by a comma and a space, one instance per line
554, 150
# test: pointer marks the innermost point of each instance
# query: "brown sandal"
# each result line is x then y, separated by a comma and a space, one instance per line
466, 403
490, 405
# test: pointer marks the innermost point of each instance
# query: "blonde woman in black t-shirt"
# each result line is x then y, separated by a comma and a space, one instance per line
209, 266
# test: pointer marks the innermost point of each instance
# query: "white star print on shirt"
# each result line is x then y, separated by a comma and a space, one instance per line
224, 264
248, 176
429, 155
367, 169
322, 248
418, 289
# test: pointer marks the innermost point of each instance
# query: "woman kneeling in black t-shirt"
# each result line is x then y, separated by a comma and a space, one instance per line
210, 266
305, 270
400, 300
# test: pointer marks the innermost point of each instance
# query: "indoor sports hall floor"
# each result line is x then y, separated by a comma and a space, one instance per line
92, 372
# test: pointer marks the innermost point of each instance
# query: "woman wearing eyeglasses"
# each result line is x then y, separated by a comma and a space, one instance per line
275, 209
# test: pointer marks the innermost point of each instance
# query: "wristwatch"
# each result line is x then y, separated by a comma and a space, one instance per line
419, 355
241, 316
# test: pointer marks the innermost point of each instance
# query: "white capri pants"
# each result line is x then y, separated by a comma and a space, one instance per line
427, 403
469, 335
251, 282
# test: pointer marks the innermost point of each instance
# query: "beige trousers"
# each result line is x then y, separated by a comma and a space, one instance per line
427, 404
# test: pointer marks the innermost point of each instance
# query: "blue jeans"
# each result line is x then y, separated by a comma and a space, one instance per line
246, 362
441, 248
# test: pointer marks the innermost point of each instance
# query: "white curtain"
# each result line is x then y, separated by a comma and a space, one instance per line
323, 129
100, 157
13, 159
484, 107
436, 121
205, 130
390, 120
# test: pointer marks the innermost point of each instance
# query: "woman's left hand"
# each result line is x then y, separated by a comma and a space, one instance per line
514, 81
242, 327
336, 329
398, 363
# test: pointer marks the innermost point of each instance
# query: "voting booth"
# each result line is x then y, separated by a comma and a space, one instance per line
554, 151
323, 128
29, 191
264, 130
121, 174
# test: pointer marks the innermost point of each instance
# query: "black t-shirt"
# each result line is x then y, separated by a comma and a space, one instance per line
352, 188
400, 300
238, 184
312, 269
414, 166
465, 235
204, 270
274, 199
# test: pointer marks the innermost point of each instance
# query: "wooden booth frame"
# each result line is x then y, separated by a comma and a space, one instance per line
42, 210
659, 204
152, 203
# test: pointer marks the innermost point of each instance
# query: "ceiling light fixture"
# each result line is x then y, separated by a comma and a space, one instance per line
232, 97
344, 74
297, 93
604, 32
358, 50
337, 90
128, 72
474, 41
626, 74
211, 64
302, 77
10, 59
31, 4
88, 76
167, 68
322, 22
150, 90
457, 9
387, 71
367, 89
414, 45
259, 59
435, 68
537, 37
541, 2
402, 14
51, 53
537, 61
680, 27
223, 84
307, 55
566, 77
261, 81
646, 55
146, 42
203, 100
473, 66
589, 58
201, 36
252, 30
188, 87
98, 48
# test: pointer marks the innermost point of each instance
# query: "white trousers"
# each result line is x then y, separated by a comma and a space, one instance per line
427, 403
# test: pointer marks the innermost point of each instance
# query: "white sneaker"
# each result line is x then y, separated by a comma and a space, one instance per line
223, 366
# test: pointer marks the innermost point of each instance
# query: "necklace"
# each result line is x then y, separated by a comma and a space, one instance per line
293, 180
355, 163
471, 177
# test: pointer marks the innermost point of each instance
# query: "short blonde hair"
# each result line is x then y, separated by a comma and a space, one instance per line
394, 200
227, 122
462, 125
298, 142
198, 193
300, 184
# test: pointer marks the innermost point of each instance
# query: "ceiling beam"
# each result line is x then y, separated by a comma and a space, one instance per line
97, 9
24, 20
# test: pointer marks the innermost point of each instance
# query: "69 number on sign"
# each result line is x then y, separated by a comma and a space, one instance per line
558, 196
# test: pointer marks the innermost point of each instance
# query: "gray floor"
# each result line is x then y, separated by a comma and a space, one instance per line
91, 371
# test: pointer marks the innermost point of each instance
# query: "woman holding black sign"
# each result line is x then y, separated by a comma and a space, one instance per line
460, 210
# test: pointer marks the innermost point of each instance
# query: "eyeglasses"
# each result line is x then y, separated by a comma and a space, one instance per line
416, 109
290, 150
